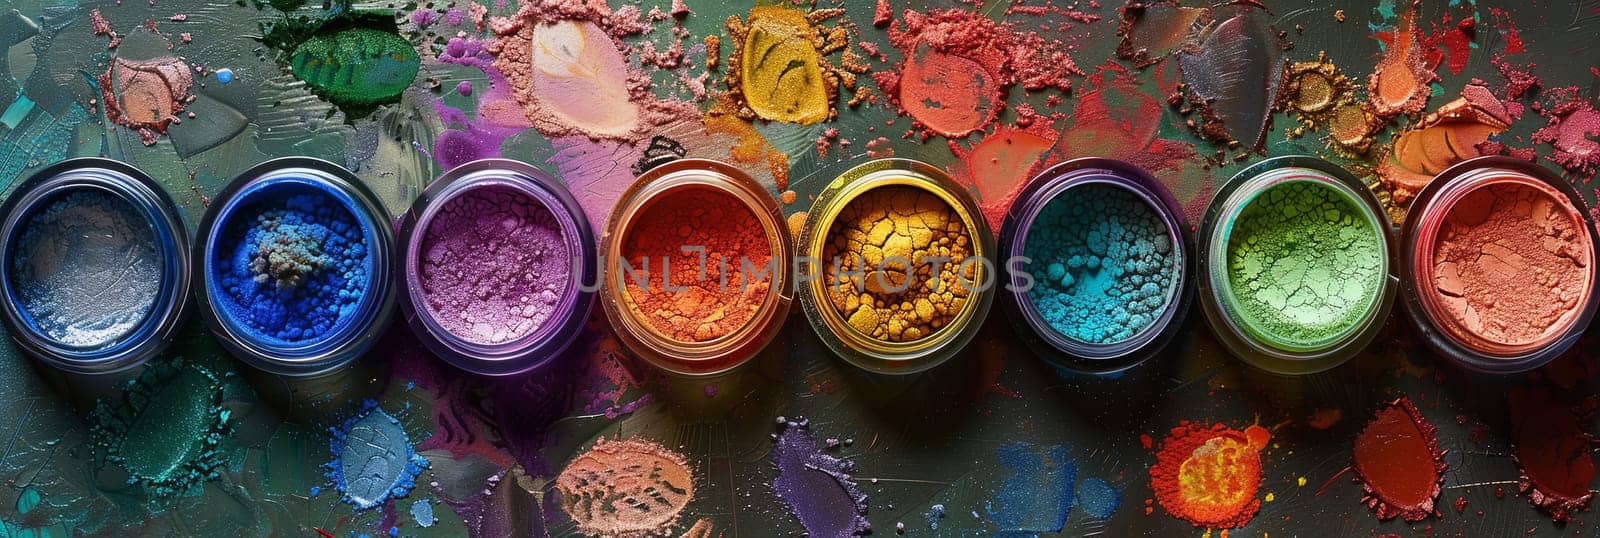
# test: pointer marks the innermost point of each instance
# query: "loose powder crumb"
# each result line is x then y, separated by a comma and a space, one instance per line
87, 270
1103, 264
879, 267
1511, 264
1305, 265
494, 264
292, 267
708, 296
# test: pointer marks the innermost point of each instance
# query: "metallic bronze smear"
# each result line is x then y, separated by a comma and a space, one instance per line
1152, 30
1312, 92
1231, 73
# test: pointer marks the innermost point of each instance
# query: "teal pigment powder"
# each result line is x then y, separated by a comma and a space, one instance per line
293, 265
87, 269
1103, 263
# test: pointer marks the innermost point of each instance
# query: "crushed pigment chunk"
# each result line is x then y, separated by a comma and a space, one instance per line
880, 264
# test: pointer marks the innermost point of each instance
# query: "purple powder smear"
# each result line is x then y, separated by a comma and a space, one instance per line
494, 265
816, 486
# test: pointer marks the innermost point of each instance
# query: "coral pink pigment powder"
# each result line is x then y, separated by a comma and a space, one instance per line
1511, 266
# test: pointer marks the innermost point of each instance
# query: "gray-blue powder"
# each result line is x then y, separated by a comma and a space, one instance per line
87, 269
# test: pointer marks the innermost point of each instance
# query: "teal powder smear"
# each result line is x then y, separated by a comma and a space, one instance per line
87, 269
1038, 494
1104, 265
165, 431
373, 459
1305, 266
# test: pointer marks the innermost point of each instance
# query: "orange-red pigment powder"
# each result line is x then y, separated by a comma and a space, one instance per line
692, 306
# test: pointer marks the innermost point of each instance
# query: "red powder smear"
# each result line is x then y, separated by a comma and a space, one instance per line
1399, 463
145, 95
1443, 138
959, 64
1208, 475
564, 62
1552, 451
1453, 43
1511, 265
102, 27
999, 165
706, 301
1152, 30
1117, 119
1507, 28
1573, 122
1399, 84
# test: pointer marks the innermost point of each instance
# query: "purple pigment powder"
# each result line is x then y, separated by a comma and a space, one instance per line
494, 265
816, 486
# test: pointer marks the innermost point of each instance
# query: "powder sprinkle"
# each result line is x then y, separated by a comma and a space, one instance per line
1398, 461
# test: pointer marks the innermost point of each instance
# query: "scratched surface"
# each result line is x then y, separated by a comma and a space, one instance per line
916, 443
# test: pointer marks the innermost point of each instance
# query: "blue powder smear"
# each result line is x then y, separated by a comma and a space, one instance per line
1104, 265
1038, 495
1097, 498
422, 512
292, 265
86, 270
373, 460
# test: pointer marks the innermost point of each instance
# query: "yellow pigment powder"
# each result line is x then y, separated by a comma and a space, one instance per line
780, 71
882, 264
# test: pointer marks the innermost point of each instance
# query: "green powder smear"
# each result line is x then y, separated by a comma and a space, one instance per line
1305, 266
356, 66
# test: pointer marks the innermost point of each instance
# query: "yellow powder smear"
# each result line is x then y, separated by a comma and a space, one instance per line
781, 74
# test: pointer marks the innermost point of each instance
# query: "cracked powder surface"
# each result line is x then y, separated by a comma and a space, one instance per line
1305, 265
893, 264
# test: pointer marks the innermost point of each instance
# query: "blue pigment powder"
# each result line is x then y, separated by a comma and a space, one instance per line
373, 460
1038, 494
87, 269
1098, 498
1104, 265
293, 266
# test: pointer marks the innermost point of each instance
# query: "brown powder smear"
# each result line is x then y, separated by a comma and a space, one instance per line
630, 488
1511, 265
878, 233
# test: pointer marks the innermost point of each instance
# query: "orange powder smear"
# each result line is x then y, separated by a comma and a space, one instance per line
1511, 265
698, 306
630, 487
1209, 475
1443, 138
1399, 84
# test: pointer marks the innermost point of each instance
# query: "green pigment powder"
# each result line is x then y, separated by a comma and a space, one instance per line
1305, 266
